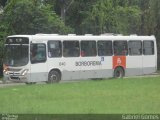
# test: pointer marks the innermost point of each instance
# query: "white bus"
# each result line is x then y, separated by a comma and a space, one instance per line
53, 57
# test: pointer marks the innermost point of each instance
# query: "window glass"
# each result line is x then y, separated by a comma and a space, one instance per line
135, 47
16, 55
54, 49
71, 48
148, 47
88, 48
104, 48
120, 48
38, 53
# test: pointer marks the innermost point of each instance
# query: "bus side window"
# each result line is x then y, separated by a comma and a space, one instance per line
104, 48
71, 49
135, 47
88, 48
38, 53
54, 49
148, 47
120, 48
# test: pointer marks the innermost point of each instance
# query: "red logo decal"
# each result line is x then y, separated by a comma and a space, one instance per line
119, 61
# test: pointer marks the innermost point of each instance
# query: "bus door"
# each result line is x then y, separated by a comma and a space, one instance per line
149, 59
134, 61
38, 64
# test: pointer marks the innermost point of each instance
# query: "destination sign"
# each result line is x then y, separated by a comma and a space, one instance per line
17, 40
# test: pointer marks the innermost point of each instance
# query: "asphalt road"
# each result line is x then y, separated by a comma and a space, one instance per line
2, 85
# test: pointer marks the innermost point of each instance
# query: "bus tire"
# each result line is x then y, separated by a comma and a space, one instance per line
54, 76
119, 72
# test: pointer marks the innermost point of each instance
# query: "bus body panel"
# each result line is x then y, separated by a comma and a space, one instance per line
99, 67
82, 67
134, 65
66, 66
38, 72
148, 66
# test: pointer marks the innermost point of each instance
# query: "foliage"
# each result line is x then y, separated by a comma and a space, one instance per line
28, 17
3, 3
150, 18
3, 34
77, 13
111, 16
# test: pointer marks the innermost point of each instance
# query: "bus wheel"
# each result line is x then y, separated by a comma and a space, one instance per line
54, 76
119, 72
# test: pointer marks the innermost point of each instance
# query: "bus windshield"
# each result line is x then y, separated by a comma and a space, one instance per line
16, 55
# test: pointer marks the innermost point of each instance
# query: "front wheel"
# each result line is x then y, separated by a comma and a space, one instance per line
54, 76
119, 72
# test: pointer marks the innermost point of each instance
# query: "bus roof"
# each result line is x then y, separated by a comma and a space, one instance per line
84, 37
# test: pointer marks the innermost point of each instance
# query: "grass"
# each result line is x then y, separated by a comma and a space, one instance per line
129, 95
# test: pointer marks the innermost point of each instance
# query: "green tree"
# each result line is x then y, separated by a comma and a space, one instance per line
3, 3
77, 14
150, 17
30, 17
112, 16
152, 22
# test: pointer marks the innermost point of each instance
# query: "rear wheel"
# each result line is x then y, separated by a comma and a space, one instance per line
54, 76
119, 72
